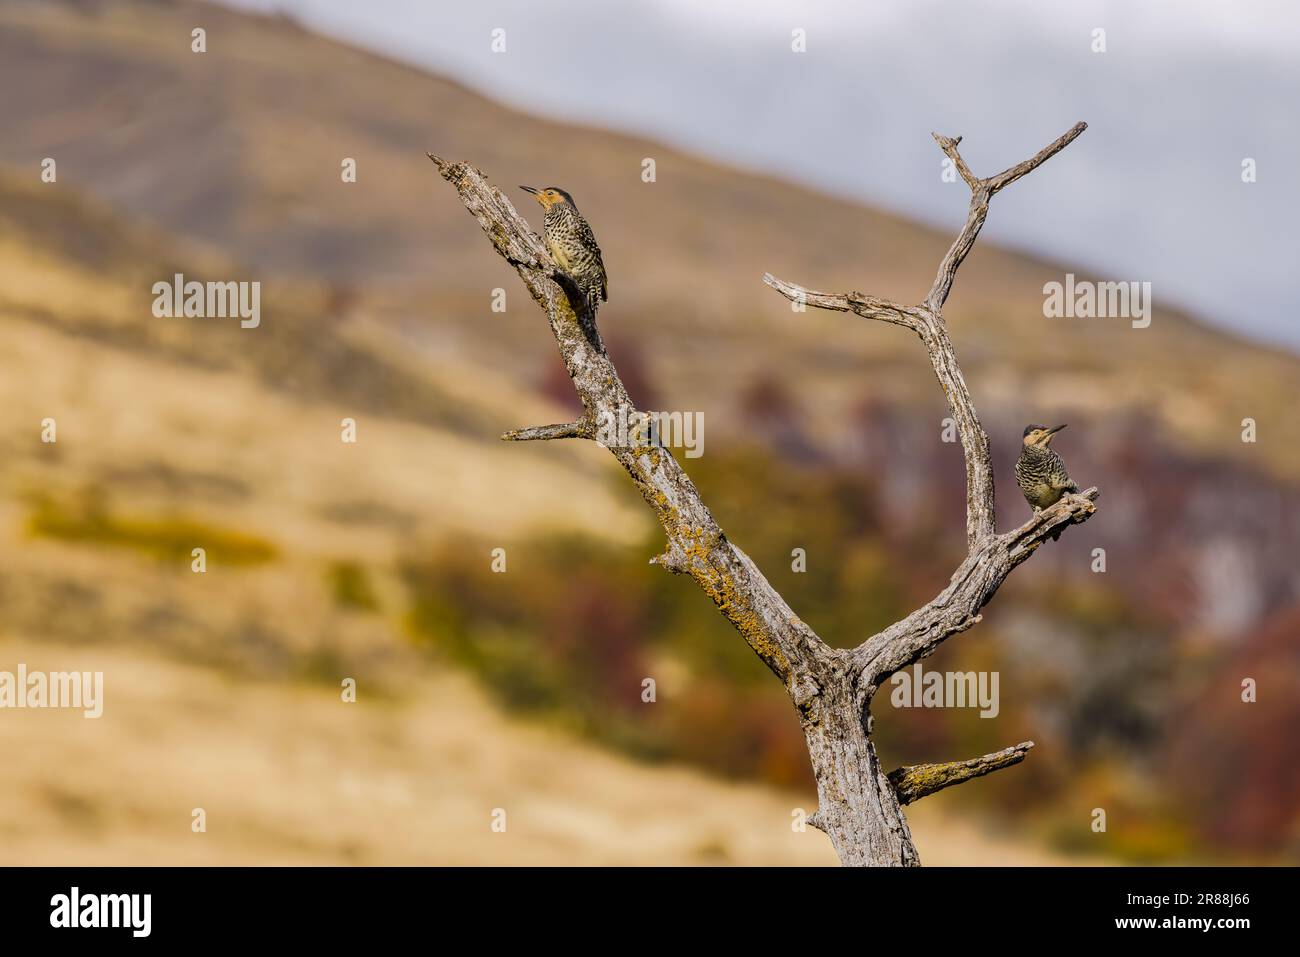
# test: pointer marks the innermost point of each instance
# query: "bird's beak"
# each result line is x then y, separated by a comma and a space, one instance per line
530, 189
1055, 429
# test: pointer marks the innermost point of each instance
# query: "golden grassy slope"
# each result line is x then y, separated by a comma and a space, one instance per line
291, 775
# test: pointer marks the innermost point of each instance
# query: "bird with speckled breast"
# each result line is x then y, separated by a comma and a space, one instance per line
571, 243
1040, 471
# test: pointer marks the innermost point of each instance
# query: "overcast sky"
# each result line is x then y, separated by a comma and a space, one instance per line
1185, 91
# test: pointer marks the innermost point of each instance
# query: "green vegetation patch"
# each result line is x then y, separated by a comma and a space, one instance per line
166, 538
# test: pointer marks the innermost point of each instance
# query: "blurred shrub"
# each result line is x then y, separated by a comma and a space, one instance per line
350, 585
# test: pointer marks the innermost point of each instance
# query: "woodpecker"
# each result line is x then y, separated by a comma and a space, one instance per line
571, 243
1040, 472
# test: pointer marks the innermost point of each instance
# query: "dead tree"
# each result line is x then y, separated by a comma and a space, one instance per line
859, 804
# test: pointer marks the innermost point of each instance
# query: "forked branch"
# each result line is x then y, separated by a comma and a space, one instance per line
926, 319
982, 191
859, 805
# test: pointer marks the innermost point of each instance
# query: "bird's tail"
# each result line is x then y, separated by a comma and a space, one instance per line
588, 321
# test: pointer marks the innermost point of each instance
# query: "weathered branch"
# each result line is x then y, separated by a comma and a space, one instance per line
1013, 173
565, 430
869, 307
961, 246
949, 146
695, 544
919, 780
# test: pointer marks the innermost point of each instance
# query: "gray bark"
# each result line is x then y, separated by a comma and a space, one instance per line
859, 804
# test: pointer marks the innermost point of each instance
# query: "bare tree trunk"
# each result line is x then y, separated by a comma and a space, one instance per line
859, 805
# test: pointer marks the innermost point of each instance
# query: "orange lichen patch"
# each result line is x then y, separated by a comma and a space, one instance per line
721, 588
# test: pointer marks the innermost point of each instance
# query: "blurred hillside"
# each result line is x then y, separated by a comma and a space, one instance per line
222, 690
330, 559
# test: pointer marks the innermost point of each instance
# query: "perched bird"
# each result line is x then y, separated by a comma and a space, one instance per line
571, 243
1040, 472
